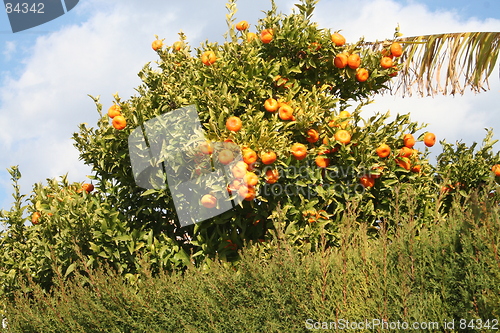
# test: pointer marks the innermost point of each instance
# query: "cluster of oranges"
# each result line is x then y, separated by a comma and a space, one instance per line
115, 113
87, 187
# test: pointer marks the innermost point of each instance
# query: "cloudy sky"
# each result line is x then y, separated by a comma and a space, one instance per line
99, 47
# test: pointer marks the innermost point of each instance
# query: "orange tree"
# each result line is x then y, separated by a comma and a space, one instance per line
287, 83
289, 96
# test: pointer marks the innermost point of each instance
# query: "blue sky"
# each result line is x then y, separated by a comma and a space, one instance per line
99, 47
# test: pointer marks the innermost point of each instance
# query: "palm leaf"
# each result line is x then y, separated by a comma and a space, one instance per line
446, 63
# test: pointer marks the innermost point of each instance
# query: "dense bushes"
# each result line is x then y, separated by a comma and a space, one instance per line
448, 270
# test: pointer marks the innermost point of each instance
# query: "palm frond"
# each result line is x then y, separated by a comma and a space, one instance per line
447, 63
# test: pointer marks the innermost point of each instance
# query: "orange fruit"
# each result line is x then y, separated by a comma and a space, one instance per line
496, 169
240, 170
344, 114
208, 58
251, 36
383, 150
396, 49
247, 192
299, 151
226, 156
386, 62
272, 176
405, 152
177, 46
387, 53
395, 71
322, 161
266, 36
343, 136
206, 148
416, 168
429, 139
234, 186
367, 181
209, 201
233, 124
312, 136
88, 187
404, 163
114, 110
353, 61
119, 122
250, 179
362, 74
157, 44
268, 157
286, 112
35, 217
340, 60
242, 25
337, 39
271, 105
249, 156
409, 140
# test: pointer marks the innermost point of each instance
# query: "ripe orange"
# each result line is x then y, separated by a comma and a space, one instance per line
286, 112
114, 110
416, 168
405, 152
243, 25
268, 157
206, 148
35, 217
395, 71
208, 58
249, 156
344, 114
250, 179
209, 201
322, 161
353, 61
343, 136
233, 123
177, 46
247, 192
240, 170
157, 44
362, 74
299, 151
226, 156
429, 139
396, 49
88, 187
251, 36
340, 60
367, 181
271, 105
119, 122
272, 176
266, 36
337, 39
404, 163
496, 169
234, 186
312, 135
386, 62
383, 150
409, 140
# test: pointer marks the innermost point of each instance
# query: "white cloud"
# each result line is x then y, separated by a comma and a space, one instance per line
10, 48
42, 107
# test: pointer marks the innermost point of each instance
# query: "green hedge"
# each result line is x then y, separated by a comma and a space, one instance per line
446, 271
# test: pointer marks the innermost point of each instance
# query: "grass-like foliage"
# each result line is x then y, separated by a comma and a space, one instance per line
449, 270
